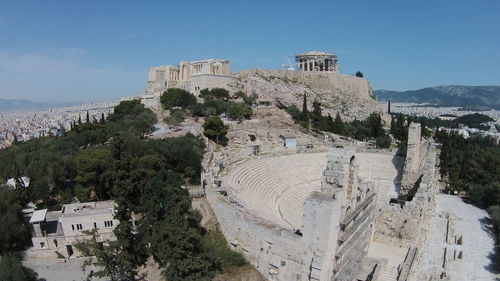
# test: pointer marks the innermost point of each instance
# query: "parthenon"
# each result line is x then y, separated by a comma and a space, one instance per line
317, 61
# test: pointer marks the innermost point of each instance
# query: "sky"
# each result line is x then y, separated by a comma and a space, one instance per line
81, 51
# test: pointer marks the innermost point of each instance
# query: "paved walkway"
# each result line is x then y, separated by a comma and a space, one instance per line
57, 270
477, 247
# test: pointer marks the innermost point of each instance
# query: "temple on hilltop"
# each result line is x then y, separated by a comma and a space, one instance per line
317, 61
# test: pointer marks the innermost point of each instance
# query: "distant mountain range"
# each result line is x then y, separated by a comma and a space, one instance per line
17, 105
472, 97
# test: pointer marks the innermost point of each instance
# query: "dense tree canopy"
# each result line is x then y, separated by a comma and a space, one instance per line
177, 97
215, 93
11, 269
112, 161
14, 232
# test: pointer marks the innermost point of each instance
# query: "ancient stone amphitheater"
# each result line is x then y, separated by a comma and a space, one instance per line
303, 216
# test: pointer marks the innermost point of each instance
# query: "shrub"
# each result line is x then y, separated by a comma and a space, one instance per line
215, 93
238, 111
175, 118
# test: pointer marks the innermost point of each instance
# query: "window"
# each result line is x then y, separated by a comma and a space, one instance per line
73, 227
108, 224
95, 225
42, 245
78, 226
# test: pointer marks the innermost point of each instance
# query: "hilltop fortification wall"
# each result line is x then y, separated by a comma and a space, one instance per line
351, 96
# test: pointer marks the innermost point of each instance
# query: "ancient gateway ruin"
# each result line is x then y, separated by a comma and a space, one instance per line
309, 212
192, 76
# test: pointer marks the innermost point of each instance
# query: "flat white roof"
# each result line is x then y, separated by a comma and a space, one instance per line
38, 216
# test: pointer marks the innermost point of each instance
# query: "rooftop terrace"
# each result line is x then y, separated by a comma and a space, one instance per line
88, 208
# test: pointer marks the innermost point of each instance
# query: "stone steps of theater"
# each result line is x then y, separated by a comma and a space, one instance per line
390, 273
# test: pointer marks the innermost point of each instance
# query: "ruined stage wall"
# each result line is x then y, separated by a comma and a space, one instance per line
402, 223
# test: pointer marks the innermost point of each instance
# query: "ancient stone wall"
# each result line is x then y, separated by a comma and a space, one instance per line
401, 222
276, 252
415, 151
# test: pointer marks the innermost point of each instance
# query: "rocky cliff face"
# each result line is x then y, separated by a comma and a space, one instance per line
350, 96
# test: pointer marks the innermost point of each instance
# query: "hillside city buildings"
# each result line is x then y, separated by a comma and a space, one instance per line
26, 125
450, 113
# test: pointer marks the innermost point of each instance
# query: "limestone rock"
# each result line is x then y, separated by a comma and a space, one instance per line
350, 96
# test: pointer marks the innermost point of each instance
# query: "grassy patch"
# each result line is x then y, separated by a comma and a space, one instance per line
217, 246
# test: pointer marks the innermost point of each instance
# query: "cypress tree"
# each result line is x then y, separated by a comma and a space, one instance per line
102, 118
87, 117
338, 125
317, 116
305, 112
393, 126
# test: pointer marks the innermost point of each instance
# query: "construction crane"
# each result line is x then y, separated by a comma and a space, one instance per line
289, 65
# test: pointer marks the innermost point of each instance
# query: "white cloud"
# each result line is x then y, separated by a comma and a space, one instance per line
64, 74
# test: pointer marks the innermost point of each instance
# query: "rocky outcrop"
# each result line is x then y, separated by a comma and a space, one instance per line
350, 96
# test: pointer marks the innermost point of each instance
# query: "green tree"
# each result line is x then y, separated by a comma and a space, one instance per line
177, 97
248, 100
383, 141
305, 113
317, 116
294, 112
338, 125
90, 166
375, 125
106, 259
174, 234
239, 111
11, 269
214, 128
215, 93
175, 118
14, 231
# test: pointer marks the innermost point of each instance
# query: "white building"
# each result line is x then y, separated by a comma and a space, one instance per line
58, 231
289, 141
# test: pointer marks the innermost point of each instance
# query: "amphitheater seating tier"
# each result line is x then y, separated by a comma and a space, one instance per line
276, 187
